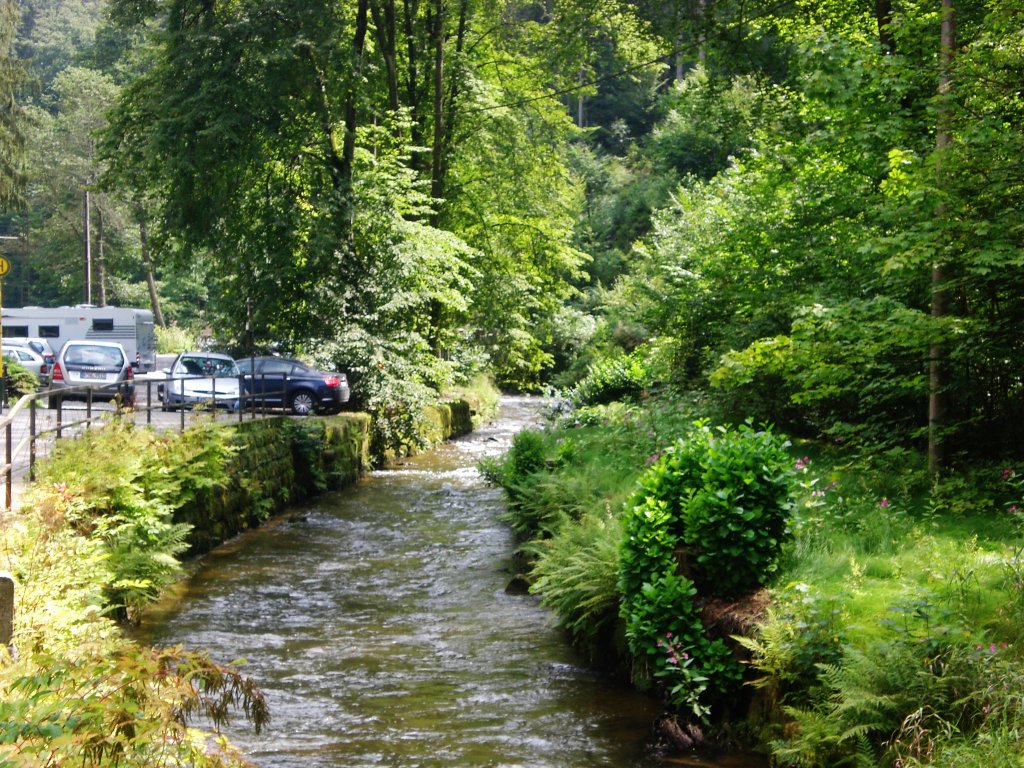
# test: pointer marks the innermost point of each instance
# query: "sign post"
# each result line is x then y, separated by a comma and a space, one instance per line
5, 267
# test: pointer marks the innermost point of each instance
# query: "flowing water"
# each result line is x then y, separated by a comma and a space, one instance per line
377, 623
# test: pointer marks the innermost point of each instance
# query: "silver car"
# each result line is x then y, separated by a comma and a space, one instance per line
92, 368
200, 378
29, 360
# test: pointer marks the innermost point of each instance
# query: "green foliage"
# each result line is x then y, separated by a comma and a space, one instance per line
717, 504
801, 631
898, 701
13, 77
850, 372
526, 456
576, 574
309, 442
174, 339
18, 380
121, 705
726, 496
737, 519
614, 378
128, 486
519, 473
77, 691
706, 122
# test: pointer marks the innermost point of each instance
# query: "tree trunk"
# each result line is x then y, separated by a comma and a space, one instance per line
87, 255
938, 375
702, 10
581, 115
147, 264
101, 266
384, 24
883, 18
436, 178
453, 97
410, 9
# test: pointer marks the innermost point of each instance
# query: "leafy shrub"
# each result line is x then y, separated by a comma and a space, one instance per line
615, 378
527, 455
120, 486
174, 339
517, 473
78, 692
850, 371
727, 496
722, 499
18, 381
737, 511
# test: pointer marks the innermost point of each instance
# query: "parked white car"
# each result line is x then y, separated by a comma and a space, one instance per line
40, 346
29, 360
197, 379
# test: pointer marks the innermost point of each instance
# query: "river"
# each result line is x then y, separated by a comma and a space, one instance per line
376, 621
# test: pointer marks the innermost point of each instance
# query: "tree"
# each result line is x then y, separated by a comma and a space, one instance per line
12, 79
65, 167
937, 374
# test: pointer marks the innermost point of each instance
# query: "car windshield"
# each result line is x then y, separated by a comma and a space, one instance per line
108, 357
207, 366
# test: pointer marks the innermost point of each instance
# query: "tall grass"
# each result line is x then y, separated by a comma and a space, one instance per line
928, 586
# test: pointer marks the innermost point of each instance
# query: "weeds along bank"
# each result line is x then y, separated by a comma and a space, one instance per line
100, 534
826, 605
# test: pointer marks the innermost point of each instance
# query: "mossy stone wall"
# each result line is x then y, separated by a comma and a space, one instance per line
446, 420
277, 461
281, 461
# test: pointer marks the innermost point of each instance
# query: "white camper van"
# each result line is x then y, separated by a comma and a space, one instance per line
132, 328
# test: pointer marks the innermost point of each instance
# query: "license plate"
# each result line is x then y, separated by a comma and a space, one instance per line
94, 375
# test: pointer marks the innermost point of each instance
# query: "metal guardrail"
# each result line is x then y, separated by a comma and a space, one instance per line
25, 440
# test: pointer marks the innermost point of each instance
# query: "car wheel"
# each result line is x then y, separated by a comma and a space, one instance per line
303, 403
54, 402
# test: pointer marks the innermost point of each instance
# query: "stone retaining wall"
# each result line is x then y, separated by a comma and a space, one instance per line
284, 461
278, 462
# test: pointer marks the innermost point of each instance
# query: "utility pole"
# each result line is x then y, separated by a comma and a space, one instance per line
87, 238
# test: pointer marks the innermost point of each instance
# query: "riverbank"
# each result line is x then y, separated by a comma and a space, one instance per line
889, 629
99, 535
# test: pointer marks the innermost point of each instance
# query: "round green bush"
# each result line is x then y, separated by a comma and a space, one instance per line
728, 498
720, 500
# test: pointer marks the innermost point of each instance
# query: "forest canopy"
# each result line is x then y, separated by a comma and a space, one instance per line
809, 211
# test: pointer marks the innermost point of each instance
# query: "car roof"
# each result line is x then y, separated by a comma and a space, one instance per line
23, 348
91, 343
212, 355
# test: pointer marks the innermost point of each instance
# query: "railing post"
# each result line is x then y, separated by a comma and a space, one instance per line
60, 420
88, 408
32, 439
9, 474
6, 608
149, 401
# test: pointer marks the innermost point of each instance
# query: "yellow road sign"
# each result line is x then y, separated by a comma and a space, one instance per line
5, 266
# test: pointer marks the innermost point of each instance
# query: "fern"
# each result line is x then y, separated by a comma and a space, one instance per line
872, 694
577, 575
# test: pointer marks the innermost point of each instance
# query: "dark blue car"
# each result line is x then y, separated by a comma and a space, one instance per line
282, 382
